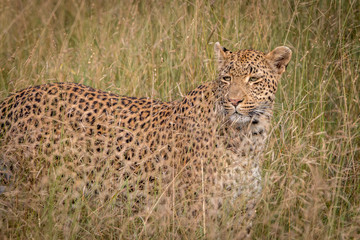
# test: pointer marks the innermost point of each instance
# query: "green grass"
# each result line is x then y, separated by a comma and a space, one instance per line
162, 49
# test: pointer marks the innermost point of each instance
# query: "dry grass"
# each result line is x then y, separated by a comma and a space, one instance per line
162, 49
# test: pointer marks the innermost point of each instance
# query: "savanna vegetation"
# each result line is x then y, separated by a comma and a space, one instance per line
162, 49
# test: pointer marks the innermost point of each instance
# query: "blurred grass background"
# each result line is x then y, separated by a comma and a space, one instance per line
162, 49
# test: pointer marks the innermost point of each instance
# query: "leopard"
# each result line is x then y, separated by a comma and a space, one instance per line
187, 158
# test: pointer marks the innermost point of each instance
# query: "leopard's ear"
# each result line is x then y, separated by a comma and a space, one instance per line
279, 58
220, 55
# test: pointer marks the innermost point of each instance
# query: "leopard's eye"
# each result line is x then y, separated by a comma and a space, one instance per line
226, 78
254, 79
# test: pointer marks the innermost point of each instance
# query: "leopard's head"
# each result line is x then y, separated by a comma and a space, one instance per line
247, 82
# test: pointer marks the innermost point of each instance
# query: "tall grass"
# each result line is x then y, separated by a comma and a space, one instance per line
162, 49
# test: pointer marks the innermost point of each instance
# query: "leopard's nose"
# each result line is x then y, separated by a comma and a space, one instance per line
236, 102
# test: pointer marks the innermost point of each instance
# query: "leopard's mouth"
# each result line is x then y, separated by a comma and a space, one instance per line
243, 116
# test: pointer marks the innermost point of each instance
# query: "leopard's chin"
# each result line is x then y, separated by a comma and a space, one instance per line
239, 119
